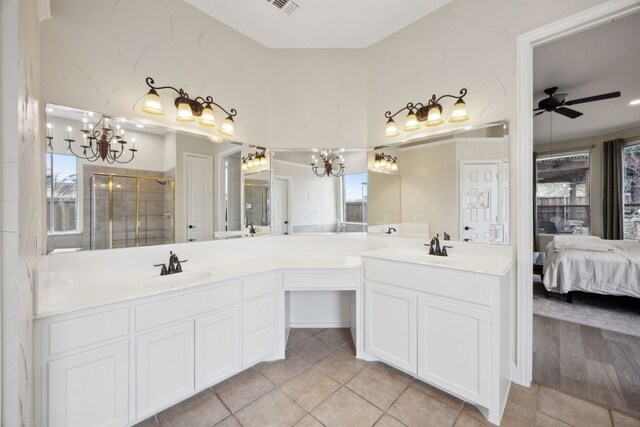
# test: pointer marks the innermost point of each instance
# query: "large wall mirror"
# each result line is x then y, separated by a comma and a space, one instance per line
178, 187
456, 183
305, 203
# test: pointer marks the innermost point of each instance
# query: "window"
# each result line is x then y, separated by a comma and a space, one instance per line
563, 192
354, 188
631, 160
62, 193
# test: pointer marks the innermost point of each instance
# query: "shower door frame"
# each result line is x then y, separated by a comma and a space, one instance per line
110, 176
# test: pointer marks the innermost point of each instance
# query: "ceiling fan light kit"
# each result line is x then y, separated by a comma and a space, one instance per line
556, 103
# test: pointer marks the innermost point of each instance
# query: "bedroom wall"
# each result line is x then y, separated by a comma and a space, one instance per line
596, 171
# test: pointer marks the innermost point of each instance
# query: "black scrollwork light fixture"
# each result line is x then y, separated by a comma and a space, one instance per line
431, 114
385, 161
255, 160
189, 110
329, 158
98, 142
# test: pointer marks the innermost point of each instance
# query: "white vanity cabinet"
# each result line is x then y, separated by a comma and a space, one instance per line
390, 324
449, 327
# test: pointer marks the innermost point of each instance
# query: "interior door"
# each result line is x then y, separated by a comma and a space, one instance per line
280, 207
478, 201
199, 198
233, 191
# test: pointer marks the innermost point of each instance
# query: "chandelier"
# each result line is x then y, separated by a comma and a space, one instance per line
98, 142
329, 157
255, 160
385, 161
431, 114
189, 110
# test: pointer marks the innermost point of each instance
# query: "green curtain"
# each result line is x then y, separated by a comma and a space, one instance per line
612, 190
536, 243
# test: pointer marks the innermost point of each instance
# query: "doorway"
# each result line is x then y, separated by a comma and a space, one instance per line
280, 194
232, 186
199, 206
588, 19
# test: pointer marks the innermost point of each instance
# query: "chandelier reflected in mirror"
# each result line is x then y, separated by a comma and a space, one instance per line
99, 141
430, 114
332, 162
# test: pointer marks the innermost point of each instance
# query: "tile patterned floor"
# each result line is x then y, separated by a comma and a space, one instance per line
320, 383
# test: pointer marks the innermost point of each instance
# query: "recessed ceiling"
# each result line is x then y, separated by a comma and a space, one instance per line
600, 60
317, 24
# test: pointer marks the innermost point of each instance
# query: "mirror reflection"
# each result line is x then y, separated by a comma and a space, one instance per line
113, 182
307, 200
455, 183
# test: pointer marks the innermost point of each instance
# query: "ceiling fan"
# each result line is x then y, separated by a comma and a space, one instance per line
556, 103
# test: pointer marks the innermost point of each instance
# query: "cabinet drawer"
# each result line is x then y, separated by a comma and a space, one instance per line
184, 306
460, 285
70, 334
258, 286
320, 280
258, 345
258, 314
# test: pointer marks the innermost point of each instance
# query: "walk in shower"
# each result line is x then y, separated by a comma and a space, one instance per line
131, 211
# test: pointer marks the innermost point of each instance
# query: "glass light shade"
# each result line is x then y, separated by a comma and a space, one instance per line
184, 113
207, 118
394, 166
459, 113
383, 162
263, 161
391, 130
227, 127
434, 117
250, 163
376, 163
152, 104
244, 166
411, 123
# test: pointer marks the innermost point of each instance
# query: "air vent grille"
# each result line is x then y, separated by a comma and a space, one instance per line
286, 6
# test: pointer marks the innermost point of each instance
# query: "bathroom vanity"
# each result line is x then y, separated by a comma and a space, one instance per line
114, 350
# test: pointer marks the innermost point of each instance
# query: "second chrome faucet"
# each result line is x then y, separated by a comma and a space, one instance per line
434, 246
175, 265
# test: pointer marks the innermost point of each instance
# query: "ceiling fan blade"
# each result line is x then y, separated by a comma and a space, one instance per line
568, 112
537, 114
593, 98
538, 109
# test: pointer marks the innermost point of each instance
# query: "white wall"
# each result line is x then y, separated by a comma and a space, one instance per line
21, 219
314, 200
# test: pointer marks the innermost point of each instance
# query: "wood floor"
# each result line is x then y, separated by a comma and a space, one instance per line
597, 364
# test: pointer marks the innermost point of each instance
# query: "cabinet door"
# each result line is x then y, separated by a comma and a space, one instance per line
454, 347
218, 341
164, 367
90, 388
390, 325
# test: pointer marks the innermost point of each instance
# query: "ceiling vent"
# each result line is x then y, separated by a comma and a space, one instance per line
286, 6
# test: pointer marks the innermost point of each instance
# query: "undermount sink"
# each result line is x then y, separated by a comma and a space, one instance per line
177, 279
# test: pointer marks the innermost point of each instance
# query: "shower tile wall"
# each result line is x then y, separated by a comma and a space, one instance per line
168, 229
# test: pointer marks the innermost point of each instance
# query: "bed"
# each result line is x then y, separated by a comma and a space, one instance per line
615, 271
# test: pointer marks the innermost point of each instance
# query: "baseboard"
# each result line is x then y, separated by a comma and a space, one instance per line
320, 324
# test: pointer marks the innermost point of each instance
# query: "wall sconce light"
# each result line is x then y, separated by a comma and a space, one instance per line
329, 157
254, 161
431, 114
189, 110
98, 142
385, 161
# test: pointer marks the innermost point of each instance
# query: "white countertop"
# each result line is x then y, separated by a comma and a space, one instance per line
493, 265
65, 293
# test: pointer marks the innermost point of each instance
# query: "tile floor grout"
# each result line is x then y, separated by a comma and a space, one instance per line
408, 382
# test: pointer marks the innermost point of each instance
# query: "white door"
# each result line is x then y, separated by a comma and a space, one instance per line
218, 351
90, 388
280, 206
164, 367
454, 347
390, 325
478, 200
233, 191
199, 197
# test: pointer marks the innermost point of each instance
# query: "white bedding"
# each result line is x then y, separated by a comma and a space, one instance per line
609, 273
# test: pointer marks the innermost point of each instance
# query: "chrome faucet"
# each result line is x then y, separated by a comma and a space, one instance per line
390, 230
175, 265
